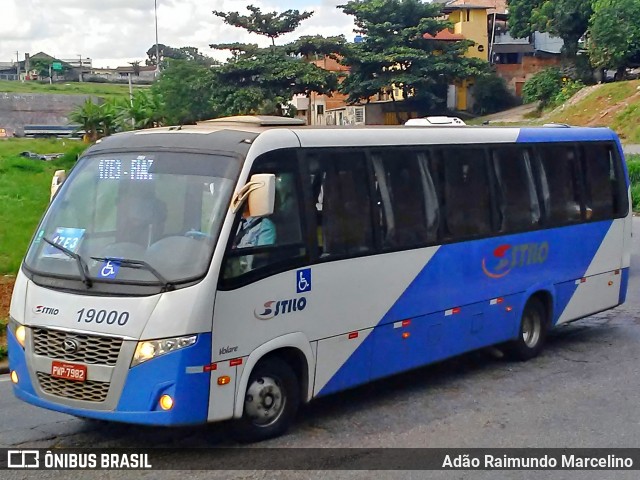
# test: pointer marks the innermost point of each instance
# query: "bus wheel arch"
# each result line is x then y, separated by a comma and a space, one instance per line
270, 402
546, 298
535, 323
295, 350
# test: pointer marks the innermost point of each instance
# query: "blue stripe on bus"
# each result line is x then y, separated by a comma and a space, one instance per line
144, 385
622, 297
18, 363
454, 277
559, 134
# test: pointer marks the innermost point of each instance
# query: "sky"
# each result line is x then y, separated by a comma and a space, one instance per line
115, 32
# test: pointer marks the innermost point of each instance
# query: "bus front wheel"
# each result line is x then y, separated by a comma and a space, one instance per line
532, 333
271, 402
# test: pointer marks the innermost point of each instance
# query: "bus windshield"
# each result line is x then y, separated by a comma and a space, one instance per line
135, 218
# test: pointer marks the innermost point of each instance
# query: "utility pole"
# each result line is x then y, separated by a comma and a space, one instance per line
155, 3
133, 121
18, 64
80, 76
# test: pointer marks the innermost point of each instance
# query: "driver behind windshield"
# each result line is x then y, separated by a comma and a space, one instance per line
141, 217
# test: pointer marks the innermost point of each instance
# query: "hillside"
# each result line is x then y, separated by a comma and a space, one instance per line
103, 90
614, 105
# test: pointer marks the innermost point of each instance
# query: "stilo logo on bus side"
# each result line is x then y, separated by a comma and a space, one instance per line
508, 257
273, 308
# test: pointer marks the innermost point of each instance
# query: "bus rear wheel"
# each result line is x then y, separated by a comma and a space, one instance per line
532, 333
271, 402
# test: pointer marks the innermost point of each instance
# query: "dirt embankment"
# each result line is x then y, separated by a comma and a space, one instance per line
6, 287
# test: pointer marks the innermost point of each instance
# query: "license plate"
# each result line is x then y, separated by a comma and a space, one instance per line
69, 371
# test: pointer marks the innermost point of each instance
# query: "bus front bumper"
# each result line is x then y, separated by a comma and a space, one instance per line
139, 401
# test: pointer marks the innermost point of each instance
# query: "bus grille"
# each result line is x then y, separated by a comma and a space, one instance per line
90, 349
89, 391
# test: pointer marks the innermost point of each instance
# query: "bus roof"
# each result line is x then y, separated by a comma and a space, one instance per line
237, 134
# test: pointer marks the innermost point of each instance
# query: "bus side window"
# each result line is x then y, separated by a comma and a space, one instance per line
269, 244
340, 191
559, 175
408, 196
467, 197
602, 183
517, 198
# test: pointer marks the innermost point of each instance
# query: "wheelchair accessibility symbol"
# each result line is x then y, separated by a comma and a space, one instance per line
303, 280
109, 269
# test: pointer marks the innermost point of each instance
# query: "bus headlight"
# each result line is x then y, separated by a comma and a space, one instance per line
149, 349
19, 331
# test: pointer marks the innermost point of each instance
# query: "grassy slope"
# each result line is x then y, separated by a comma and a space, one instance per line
614, 105
103, 90
24, 192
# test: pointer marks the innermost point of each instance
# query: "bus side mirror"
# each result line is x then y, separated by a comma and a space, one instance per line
58, 179
260, 193
262, 200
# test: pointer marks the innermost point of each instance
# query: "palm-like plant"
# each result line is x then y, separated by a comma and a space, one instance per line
109, 122
144, 110
89, 115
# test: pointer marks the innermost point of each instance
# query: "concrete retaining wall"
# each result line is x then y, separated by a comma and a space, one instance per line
18, 110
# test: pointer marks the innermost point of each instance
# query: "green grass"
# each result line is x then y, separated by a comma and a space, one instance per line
103, 90
633, 165
24, 192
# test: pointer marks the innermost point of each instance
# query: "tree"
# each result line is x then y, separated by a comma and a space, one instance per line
136, 68
521, 15
310, 45
181, 53
41, 66
491, 94
265, 83
396, 53
567, 19
152, 52
263, 80
271, 25
186, 88
615, 34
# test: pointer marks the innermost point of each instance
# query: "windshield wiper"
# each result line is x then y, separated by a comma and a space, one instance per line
82, 266
129, 263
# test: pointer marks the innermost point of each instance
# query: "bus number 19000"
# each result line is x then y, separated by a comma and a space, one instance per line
102, 316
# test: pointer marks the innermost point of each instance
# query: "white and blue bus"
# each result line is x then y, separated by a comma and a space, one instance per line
373, 251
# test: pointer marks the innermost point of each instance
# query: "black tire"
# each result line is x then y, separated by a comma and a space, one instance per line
271, 402
532, 333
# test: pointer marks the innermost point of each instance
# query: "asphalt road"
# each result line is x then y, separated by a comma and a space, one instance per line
581, 392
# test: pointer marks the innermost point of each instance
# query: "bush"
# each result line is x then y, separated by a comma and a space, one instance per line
542, 87
491, 95
633, 165
569, 89
550, 87
635, 197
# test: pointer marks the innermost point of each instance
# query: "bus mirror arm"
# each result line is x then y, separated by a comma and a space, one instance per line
242, 195
260, 192
56, 182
